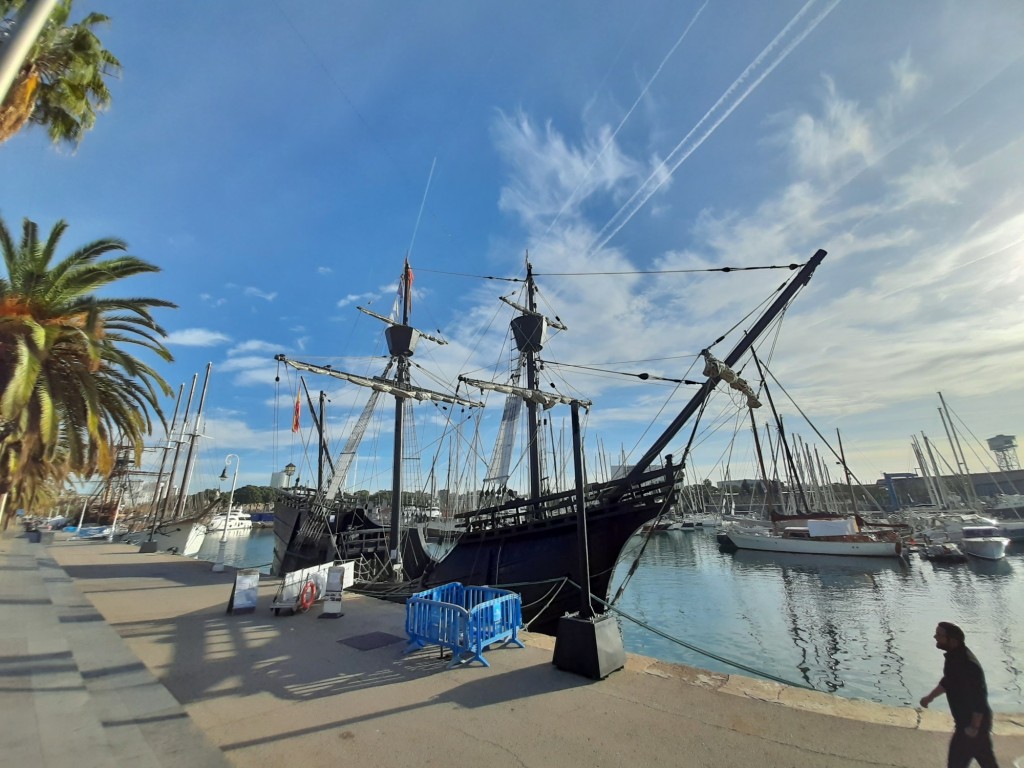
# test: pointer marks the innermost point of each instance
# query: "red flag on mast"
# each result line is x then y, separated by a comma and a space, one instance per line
298, 411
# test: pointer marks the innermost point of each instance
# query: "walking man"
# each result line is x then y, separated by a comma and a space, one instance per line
963, 682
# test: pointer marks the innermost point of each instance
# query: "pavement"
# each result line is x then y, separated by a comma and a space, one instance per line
109, 657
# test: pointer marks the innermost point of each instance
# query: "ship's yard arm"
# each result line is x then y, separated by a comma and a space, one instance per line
788, 292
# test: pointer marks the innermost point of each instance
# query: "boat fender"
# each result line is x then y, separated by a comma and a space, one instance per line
307, 596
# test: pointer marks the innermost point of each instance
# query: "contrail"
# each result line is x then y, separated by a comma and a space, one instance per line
423, 202
681, 151
626, 117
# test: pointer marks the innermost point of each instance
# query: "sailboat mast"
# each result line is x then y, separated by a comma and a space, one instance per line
190, 457
769, 495
783, 442
163, 462
846, 470
940, 490
177, 451
958, 451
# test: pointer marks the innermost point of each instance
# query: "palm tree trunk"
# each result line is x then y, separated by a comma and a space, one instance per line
19, 104
26, 30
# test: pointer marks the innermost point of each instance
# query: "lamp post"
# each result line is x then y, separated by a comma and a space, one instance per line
218, 564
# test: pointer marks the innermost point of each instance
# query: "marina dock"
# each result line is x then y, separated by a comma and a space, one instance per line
109, 657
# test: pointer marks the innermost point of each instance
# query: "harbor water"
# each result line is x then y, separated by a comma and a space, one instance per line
856, 627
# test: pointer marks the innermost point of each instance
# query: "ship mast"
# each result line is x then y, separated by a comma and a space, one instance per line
401, 341
529, 329
529, 334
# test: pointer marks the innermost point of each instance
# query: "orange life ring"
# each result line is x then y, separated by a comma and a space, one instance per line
307, 596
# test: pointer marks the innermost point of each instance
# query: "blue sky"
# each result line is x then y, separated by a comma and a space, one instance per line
278, 160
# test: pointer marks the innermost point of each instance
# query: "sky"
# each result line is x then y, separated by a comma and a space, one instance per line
279, 160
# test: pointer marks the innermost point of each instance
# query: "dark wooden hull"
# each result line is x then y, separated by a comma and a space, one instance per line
534, 549
292, 552
540, 559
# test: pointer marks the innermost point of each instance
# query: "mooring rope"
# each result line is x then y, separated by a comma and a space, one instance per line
697, 649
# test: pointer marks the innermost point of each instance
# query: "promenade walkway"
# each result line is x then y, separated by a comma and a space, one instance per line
112, 658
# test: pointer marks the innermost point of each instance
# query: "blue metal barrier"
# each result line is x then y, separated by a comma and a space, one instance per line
467, 620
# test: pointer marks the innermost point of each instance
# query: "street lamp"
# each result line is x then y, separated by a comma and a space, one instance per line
218, 564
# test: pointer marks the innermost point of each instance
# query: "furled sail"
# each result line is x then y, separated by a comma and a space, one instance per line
545, 399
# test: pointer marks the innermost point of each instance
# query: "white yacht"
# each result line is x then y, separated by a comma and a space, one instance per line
984, 541
818, 537
235, 521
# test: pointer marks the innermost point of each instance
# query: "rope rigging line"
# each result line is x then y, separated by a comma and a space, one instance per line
726, 270
643, 376
747, 316
790, 267
810, 423
471, 275
642, 437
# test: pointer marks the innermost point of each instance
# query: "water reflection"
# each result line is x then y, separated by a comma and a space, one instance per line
856, 626
833, 572
242, 549
991, 569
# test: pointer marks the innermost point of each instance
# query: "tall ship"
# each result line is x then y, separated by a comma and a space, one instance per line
556, 543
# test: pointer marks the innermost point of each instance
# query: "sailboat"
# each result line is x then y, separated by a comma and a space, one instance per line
528, 542
169, 526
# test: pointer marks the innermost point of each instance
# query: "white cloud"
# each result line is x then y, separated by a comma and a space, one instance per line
353, 298
923, 285
211, 301
827, 144
552, 177
197, 337
251, 291
254, 345
908, 79
937, 181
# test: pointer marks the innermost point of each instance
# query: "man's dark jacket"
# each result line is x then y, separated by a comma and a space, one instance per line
964, 683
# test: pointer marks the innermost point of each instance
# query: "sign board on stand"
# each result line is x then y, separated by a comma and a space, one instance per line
339, 576
245, 591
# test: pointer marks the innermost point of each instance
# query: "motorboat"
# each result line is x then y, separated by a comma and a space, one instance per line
234, 521
661, 525
984, 542
940, 550
700, 521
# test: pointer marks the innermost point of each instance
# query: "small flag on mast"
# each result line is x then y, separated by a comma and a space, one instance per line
298, 411
407, 287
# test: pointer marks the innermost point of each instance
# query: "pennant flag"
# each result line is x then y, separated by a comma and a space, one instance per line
298, 410
407, 286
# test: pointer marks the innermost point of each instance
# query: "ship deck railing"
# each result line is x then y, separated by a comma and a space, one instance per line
652, 488
466, 620
363, 543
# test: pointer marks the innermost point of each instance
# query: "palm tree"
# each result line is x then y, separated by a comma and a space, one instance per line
61, 83
68, 388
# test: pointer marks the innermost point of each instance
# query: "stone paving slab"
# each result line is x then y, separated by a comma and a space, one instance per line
271, 691
72, 694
